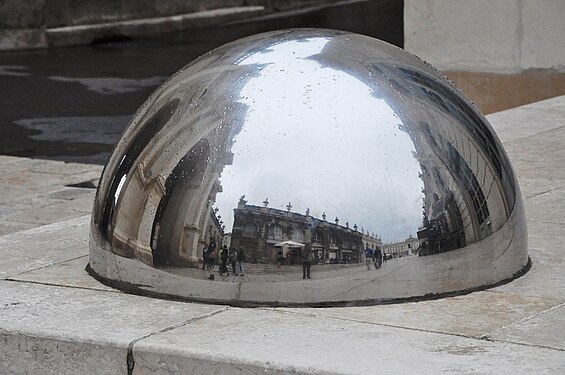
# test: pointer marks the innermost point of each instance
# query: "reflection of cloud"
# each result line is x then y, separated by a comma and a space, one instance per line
317, 137
111, 86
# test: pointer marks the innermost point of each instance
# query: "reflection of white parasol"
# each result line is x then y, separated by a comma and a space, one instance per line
289, 243
286, 245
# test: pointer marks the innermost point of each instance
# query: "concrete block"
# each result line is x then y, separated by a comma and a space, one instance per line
461, 35
73, 331
547, 207
24, 354
43, 246
471, 315
269, 342
546, 329
70, 273
547, 275
516, 123
7, 226
542, 29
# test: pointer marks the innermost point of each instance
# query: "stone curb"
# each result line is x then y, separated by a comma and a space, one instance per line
85, 34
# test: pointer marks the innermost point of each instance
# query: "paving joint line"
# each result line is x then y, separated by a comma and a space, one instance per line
533, 135
481, 337
62, 286
526, 319
130, 361
45, 266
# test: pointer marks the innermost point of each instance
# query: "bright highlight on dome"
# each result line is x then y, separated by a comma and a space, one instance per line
307, 167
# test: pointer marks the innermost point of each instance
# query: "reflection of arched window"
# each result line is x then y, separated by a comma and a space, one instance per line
297, 235
275, 232
249, 230
317, 237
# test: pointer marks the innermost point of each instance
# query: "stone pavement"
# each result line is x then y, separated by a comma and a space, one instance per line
55, 319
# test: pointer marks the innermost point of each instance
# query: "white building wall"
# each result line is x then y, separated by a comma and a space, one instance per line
502, 36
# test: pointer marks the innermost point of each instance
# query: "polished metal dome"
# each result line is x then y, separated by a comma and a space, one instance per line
307, 167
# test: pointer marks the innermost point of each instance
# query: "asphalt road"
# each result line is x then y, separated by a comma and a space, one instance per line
73, 103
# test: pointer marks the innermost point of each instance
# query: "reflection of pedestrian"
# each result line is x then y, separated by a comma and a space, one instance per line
368, 257
240, 260
204, 251
233, 258
280, 258
210, 258
306, 262
378, 255
224, 256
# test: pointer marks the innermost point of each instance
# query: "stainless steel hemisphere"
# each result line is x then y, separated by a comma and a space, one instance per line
307, 167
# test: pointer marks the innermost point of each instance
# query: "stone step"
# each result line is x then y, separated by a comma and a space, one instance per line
86, 34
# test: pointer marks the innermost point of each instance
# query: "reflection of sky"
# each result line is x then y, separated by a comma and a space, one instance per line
316, 137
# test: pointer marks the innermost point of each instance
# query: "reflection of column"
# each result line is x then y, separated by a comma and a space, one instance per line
196, 220
132, 230
156, 189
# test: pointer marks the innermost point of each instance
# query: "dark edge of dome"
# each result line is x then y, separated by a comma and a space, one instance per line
138, 290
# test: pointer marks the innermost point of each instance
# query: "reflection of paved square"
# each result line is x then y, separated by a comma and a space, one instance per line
56, 318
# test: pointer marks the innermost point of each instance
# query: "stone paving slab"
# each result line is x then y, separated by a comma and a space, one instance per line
43, 246
70, 273
55, 212
472, 315
35, 192
530, 119
540, 155
547, 207
539, 330
66, 330
243, 342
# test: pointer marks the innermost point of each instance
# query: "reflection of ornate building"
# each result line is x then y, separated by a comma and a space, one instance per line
462, 163
259, 229
409, 246
158, 203
462, 192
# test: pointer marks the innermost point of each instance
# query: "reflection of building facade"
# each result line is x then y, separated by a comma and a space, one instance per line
259, 229
159, 202
468, 189
462, 192
409, 246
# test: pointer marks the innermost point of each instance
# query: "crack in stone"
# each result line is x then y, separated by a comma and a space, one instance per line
130, 361
543, 192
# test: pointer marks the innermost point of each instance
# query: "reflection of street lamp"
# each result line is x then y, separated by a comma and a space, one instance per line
336, 220
355, 227
324, 216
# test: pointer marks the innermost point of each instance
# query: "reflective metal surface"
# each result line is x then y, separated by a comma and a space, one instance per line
307, 167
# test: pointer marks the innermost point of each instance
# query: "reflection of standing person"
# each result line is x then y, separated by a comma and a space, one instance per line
204, 252
306, 262
210, 258
368, 257
224, 256
233, 258
240, 260
378, 255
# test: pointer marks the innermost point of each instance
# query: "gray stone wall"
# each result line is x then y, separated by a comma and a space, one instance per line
27, 23
60, 13
22, 24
